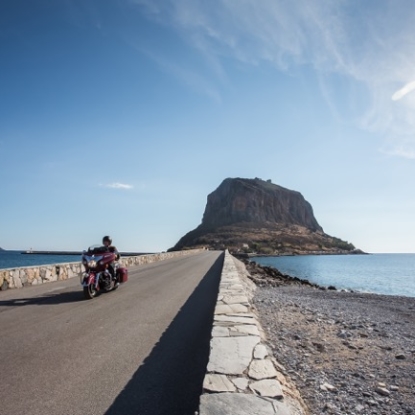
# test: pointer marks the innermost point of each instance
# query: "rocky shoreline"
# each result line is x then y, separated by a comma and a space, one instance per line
347, 352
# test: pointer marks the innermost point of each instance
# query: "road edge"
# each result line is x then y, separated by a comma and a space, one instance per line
242, 375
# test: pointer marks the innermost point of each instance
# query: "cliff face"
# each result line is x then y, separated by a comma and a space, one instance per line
252, 215
257, 202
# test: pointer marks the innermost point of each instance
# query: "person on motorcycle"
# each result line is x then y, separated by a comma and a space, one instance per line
107, 242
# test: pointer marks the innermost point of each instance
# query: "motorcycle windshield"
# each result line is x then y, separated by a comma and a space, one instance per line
97, 249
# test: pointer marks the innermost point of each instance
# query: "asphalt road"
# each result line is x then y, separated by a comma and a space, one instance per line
142, 349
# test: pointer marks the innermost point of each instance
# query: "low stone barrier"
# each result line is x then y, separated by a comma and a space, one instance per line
27, 276
242, 376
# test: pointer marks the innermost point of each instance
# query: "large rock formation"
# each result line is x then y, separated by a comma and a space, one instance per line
252, 215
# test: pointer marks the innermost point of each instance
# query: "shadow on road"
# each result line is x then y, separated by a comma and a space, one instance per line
46, 299
169, 382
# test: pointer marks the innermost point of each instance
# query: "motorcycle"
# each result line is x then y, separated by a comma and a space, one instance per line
97, 277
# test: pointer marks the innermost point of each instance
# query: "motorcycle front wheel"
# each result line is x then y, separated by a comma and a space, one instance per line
90, 292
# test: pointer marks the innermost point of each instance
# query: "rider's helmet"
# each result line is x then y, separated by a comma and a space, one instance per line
106, 239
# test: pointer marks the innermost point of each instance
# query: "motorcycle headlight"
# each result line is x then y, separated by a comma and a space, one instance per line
92, 263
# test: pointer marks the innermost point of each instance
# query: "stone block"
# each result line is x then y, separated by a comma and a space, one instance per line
234, 404
240, 383
17, 283
219, 331
218, 383
260, 352
270, 388
262, 369
240, 299
234, 320
231, 355
243, 330
23, 276
30, 273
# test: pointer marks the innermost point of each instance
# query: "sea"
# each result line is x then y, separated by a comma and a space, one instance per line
389, 274
16, 259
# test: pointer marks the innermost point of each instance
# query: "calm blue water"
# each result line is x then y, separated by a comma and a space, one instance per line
391, 274
14, 259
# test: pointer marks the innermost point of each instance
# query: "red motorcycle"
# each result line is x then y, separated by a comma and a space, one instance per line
97, 277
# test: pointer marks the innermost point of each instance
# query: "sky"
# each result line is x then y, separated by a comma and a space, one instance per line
119, 117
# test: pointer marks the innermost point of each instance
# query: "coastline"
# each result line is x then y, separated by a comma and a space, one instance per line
245, 256
389, 274
346, 352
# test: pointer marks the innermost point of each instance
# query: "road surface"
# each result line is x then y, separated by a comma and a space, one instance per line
142, 349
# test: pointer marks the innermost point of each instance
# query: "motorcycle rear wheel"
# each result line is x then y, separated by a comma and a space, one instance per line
90, 292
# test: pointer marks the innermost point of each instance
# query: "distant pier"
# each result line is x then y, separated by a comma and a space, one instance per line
31, 252
52, 252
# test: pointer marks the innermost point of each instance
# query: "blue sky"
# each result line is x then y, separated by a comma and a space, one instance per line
120, 116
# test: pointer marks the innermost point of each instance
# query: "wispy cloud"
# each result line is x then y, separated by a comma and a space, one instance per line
400, 151
409, 87
370, 44
189, 74
193, 79
121, 186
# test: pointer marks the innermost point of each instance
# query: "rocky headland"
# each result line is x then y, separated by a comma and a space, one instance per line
348, 353
257, 216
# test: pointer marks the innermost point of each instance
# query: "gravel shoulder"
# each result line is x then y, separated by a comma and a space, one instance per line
346, 352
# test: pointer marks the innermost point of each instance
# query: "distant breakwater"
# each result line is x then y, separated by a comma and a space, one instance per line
30, 252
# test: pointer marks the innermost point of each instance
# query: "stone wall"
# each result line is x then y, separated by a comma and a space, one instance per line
242, 376
27, 276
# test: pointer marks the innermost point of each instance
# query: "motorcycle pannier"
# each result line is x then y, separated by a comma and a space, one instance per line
122, 274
